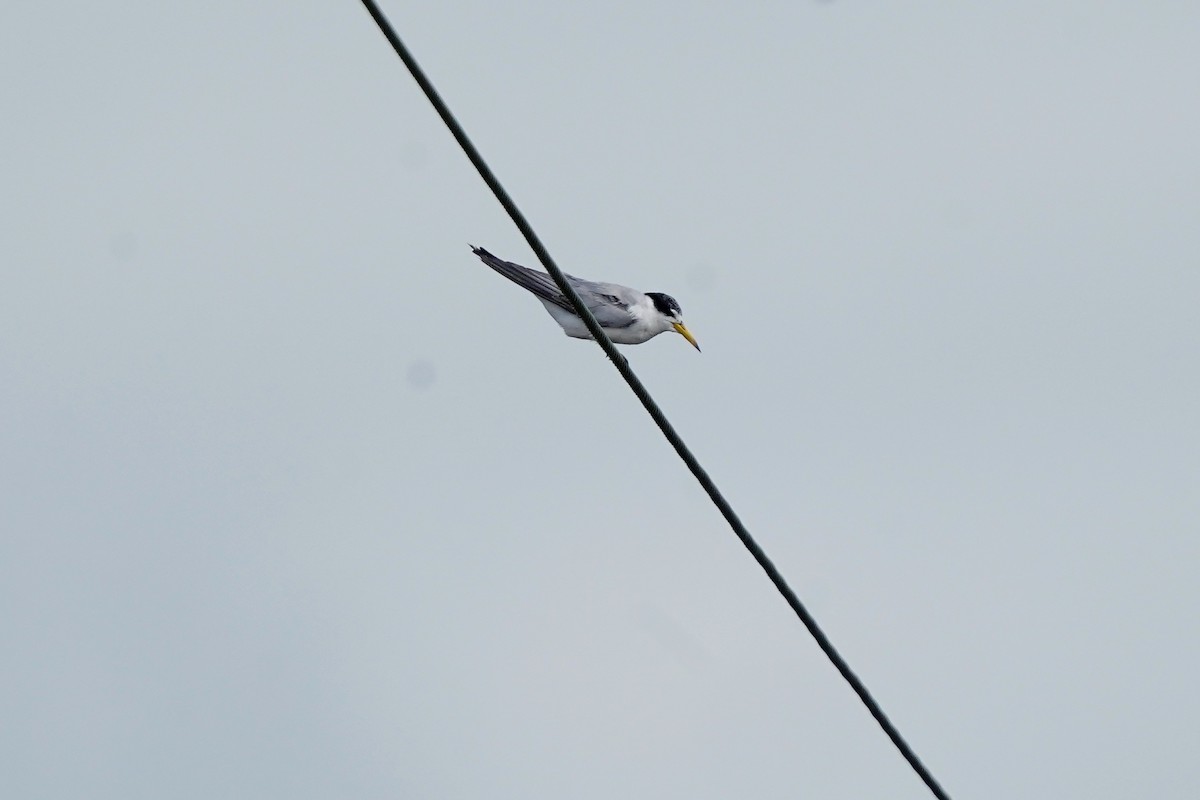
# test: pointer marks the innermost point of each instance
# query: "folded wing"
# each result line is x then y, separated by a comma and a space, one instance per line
537, 282
607, 302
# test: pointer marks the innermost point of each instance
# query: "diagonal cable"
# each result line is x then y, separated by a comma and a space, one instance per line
651, 406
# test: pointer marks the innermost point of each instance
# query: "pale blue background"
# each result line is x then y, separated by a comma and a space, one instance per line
299, 500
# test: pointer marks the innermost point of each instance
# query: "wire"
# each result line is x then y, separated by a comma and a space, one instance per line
651, 406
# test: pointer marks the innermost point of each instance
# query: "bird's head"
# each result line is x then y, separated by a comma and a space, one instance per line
672, 315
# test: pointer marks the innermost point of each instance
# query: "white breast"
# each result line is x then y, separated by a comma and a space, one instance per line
647, 324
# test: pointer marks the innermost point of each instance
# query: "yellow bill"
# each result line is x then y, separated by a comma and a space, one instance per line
682, 330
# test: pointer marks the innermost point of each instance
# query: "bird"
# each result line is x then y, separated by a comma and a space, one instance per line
626, 315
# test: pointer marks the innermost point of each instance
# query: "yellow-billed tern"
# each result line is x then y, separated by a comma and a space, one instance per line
626, 315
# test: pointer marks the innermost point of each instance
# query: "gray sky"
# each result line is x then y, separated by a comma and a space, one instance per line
298, 499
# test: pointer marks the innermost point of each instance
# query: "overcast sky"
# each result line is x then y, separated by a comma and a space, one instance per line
298, 499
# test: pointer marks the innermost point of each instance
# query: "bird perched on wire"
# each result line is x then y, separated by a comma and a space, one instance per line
626, 315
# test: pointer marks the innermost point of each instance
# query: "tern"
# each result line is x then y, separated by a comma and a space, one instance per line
626, 315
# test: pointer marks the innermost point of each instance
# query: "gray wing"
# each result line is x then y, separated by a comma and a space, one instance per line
539, 283
608, 302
